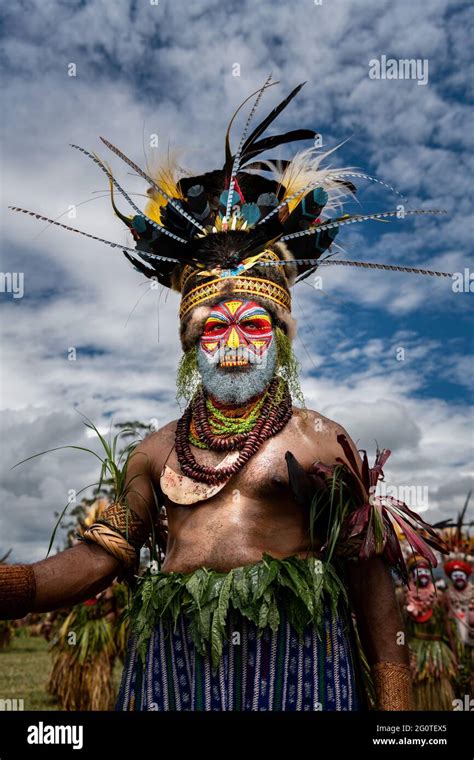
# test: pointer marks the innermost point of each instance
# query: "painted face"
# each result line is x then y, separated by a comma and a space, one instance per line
459, 579
421, 576
237, 333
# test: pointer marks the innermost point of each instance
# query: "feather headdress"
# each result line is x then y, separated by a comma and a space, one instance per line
459, 540
253, 227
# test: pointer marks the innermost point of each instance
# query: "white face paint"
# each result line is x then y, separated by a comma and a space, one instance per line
459, 579
421, 576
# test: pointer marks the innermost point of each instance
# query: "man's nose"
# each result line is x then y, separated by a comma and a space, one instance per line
233, 339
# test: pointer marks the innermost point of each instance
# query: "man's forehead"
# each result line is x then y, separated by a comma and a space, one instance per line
236, 308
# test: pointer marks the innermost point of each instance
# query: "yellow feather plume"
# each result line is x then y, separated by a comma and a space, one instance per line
166, 176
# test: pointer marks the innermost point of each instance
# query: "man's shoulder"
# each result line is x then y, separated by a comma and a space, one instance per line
320, 434
160, 437
157, 444
311, 421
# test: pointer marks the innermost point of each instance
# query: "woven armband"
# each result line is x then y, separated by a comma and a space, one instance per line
17, 591
393, 686
121, 532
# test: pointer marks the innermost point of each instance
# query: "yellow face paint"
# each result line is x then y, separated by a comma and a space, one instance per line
233, 339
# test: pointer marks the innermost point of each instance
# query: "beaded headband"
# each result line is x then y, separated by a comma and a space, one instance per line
255, 285
250, 286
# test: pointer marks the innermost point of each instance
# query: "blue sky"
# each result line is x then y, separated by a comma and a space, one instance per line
168, 69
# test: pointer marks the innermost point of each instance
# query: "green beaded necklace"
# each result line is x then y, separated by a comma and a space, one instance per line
224, 425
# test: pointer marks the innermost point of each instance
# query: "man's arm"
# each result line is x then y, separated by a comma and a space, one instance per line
72, 576
66, 578
84, 570
381, 631
379, 623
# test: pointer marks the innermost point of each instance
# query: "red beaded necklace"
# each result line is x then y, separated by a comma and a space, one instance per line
275, 413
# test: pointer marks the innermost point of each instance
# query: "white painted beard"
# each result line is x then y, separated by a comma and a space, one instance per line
236, 384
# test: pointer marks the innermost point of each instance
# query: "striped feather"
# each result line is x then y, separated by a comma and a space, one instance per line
228, 152
153, 184
138, 211
342, 222
237, 158
86, 234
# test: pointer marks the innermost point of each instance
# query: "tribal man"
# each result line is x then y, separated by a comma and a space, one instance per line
429, 632
273, 536
459, 598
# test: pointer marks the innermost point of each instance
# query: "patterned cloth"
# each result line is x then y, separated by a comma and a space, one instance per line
273, 672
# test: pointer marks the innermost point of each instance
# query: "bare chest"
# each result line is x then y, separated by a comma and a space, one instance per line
263, 477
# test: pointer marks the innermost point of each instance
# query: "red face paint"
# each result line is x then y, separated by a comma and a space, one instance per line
240, 330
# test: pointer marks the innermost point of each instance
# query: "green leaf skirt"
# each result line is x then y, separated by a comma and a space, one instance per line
274, 635
258, 591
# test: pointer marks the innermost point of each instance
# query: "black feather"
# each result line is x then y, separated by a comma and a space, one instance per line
160, 270
268, 143
349, 185
229, 158
263, 126
304, 487
252, 185
306, 274
301, 484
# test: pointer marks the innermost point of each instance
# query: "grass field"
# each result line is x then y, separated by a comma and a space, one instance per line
24, 671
